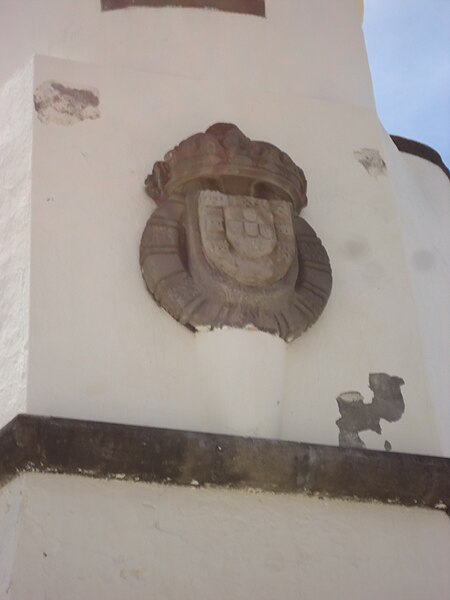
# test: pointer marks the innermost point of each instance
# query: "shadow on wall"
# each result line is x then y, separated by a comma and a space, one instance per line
356, 416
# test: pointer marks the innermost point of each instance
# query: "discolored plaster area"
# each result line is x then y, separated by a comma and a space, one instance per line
249, 7
357, 416
61, 104
371, 160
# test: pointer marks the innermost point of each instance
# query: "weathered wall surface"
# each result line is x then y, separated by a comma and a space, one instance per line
115, 355
110, 351
126, 87
370, 323
315, 49
100, 347
15, 204
113, 540
423, 201
11, 498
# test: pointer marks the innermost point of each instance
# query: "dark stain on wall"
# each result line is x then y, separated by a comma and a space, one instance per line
170, 457
371, 160
249, 7
357, 416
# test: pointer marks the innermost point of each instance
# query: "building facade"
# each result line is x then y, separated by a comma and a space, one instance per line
94, 94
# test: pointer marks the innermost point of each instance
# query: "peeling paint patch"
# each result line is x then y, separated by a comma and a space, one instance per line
371, 160
60, 104
356, 416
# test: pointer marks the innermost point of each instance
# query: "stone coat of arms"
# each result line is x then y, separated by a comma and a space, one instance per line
225, 246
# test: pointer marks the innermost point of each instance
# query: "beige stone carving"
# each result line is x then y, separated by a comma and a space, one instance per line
225, 246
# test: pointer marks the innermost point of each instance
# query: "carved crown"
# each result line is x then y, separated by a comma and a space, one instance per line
224, 159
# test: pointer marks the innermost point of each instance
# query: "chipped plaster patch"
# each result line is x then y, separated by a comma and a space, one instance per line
356, 416
371, 160
60, 104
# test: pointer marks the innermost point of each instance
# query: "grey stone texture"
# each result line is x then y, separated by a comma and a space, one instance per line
225, 246
119, 451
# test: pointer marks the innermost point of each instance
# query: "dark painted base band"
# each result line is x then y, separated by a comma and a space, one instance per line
249, 7
105, 450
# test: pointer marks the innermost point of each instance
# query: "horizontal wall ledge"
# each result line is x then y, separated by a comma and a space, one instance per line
105, 450
420, 150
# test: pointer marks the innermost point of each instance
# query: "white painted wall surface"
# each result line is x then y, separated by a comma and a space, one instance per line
370, 323
423, 200
100, 348
308, 47
241, 377
100, 540
11, 498
15, 201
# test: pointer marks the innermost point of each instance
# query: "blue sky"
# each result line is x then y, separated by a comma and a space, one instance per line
408, 44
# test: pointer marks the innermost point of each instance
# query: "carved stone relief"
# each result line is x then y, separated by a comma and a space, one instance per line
225, 246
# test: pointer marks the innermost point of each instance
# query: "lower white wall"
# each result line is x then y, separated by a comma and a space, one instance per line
11, 500
101, 540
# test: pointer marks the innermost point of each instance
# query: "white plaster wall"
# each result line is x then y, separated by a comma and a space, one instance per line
100, 540
15, 201
241, 381
423, 199
11, 498
103, 360
100, 347
370, 323
308, 47
111, 352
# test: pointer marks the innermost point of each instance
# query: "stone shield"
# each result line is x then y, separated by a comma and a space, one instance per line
249, 239
226, 246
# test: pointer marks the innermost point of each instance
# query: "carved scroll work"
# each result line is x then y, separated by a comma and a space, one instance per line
225, 246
